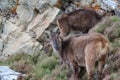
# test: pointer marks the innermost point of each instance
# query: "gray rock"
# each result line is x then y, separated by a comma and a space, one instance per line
42, 5
1, 44
20, 42
85, 2
1, 24
25, 13
7, 74
1, 19
19, 34
109, 4
42, 21
117, 12
30, 3
3, 36
9, 27
52, 2
4, 4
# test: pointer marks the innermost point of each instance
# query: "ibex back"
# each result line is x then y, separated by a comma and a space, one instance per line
80, 20
82, 52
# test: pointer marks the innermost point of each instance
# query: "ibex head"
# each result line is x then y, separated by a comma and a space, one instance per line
55, 41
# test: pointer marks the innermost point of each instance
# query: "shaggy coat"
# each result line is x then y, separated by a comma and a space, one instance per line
80, 20
80, 52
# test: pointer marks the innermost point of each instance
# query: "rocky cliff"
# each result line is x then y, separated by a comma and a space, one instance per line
22, 22
20, 28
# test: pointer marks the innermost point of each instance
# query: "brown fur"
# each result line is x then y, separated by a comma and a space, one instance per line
83, 51
79, 20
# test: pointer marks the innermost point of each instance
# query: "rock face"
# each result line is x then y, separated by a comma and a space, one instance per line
19, 34
101, 6
25, 13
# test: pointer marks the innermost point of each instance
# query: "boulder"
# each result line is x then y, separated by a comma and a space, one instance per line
19, 34
20, 42
25, 13
42, 21
42, 5
8, 27
29, 3
4, 4
7, 74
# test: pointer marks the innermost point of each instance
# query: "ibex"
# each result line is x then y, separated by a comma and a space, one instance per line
80, 20
80, 52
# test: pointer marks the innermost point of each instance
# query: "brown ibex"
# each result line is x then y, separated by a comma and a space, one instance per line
80, 20
81, 52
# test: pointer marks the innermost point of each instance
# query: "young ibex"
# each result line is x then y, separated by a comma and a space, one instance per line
80, 20
82, 52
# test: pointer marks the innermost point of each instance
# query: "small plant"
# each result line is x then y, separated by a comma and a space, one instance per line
44, 66
61, 76
116, 43
101, 28
115, 18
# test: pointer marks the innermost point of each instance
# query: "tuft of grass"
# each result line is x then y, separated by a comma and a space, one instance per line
108, 22
116, 43
59, 73
14, 58
42, 64
103, 25
101, 28
61, 76
44, 67
114, 76
115, 18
